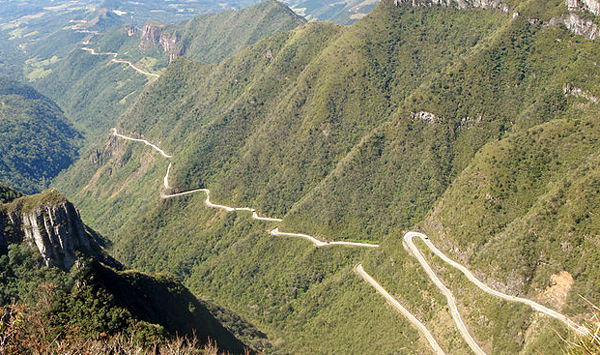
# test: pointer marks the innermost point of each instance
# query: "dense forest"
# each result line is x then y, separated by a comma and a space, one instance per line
36, 140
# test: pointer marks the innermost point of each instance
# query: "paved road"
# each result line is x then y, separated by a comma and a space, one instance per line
445, 291
319, 243
114, 131
208, 203
118, 60
166, 178
408, 238
434, 345
92, 51
166, 185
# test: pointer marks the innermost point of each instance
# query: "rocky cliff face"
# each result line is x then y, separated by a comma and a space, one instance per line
577, 24
592, 6
581, 26
153, 35
572, 21
129, 29
150, 35
48, 223
460, 4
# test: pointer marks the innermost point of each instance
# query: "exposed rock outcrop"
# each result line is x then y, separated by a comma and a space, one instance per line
592, 6
570, 90
129, 29
573, 22
154, 35
424, 116
48, 223
151, 35
459, 4
577, 25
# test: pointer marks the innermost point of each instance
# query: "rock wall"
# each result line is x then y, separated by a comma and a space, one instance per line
129, 29
592, 6
572, 21
577, 25
55, 230
459, 4
153, 35
150, 35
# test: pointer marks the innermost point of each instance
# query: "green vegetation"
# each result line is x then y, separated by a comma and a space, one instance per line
7, 194
90, 89
474, 126
36, 140
207, 38
212, 38
11, 59
96, 303
94, 92
26, 204
342, 12
94, 306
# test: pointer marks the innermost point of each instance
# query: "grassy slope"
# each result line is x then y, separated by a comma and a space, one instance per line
321, 136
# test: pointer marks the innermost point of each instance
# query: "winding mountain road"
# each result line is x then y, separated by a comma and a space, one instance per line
210, 204
115, 133
118, 60
408, 239
430, 339
462, 328
115, 59
319, 243
92, 51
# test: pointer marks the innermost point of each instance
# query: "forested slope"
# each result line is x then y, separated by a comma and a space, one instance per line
61, 292
36, 140
476, 125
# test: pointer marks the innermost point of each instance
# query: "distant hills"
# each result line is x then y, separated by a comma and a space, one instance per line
94, 91
342, 12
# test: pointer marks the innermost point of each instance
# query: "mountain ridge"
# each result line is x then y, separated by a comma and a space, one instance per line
357, 139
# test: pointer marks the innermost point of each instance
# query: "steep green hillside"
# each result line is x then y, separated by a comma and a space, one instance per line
92, 90
211, 38
50, 308
11, 59
207, 38
476, 125
36, 140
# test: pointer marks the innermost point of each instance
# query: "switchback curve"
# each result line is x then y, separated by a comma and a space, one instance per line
408, 239
92, 51
210, 204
